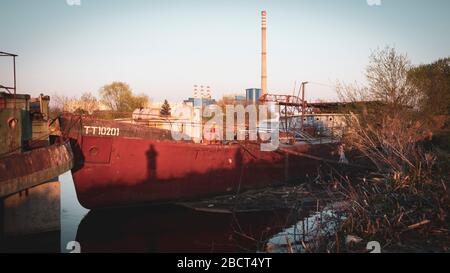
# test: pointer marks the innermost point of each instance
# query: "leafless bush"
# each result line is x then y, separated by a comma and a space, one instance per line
390, 142
408, 192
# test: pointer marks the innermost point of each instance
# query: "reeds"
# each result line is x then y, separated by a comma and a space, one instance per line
407, 196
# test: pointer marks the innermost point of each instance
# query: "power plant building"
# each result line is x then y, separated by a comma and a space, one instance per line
253, 94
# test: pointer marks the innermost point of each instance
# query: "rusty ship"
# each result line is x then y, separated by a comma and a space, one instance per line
29, 156
120, 163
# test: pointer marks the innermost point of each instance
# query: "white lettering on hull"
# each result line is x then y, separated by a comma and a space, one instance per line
101, 131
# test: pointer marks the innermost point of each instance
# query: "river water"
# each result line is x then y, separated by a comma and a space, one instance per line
51, 215
71, 211
163, 228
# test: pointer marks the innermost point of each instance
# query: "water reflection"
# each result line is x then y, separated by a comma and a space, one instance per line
306, 234
178, 229
30, 219
34, 220
71, 211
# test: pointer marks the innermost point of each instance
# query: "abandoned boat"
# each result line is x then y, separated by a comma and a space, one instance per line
122, 164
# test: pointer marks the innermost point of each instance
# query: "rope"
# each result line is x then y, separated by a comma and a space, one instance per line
324, 84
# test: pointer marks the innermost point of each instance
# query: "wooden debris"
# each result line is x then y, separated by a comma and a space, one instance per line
352, 239
417, 225
284, 197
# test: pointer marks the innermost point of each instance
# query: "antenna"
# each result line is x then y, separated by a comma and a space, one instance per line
195, 91
263, 53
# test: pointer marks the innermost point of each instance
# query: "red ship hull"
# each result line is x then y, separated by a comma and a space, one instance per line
113, 171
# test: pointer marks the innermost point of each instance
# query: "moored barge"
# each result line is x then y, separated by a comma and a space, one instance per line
122, 164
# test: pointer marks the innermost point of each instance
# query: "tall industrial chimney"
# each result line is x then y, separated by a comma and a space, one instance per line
263, 54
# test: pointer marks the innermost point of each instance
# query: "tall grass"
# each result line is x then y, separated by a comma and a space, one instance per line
407, 197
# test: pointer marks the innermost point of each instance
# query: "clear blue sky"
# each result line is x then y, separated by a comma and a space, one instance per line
162, 48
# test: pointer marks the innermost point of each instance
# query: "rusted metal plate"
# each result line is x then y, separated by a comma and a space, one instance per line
11, 101
75, 126
22, 171
97, 149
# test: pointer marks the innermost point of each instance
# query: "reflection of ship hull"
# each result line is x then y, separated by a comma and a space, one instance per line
142, 165
177, 229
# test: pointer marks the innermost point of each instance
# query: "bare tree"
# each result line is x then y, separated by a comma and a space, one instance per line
88, 102
353, 92
387, 75
139, 101
119, 97
386, 132
59, 103
116, 96
388, 83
